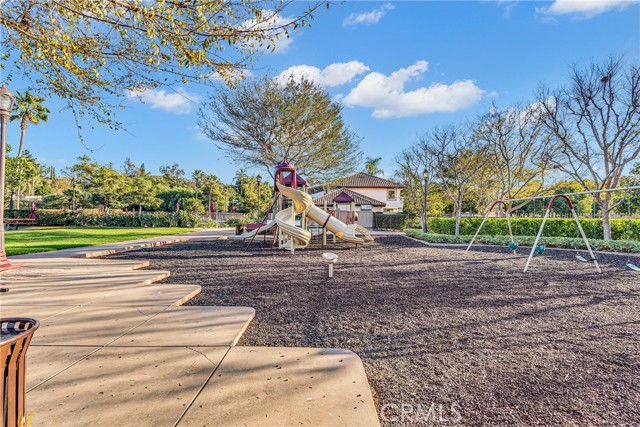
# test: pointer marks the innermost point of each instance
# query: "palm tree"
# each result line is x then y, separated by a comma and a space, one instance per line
28, 109
371, 166
197, 176
210, 182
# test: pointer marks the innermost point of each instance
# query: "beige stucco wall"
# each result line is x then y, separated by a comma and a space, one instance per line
381, 195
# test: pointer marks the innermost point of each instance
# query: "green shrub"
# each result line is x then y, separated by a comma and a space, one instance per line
391, 221
232, 222
555, 242
557, 227
93, 218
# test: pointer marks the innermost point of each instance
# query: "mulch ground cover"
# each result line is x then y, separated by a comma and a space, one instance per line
445, 337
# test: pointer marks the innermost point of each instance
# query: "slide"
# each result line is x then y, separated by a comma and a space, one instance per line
266, 227
303, 202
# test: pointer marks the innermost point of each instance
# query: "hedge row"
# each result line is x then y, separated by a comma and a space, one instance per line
556, 227
392, 221
556, 242
115, 219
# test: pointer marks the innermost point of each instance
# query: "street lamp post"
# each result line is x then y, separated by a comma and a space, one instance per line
259, 179
6, 105
425, 176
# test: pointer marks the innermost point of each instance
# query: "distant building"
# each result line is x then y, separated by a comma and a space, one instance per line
363, 192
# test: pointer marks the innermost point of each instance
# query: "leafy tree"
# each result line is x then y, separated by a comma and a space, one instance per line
172, 175
28, 108
85, 52
140, 188
211, 185
171, 197
595, 120
197, 176
518, 151
102, 184
55, 201
371, 166
460, 156
267, 120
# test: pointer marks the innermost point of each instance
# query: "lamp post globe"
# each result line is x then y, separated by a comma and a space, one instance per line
6, 105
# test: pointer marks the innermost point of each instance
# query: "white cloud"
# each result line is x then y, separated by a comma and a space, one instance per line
333, 75
584, 8
388, 98
269, 19
367, 18
178, 102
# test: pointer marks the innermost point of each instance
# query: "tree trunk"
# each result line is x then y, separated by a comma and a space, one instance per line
209, 207
606, 217
458, 215
21, 146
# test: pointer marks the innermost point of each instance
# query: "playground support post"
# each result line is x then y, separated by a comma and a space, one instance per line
544, 221
486, 217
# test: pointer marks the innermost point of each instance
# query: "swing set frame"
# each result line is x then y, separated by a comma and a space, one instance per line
507, 203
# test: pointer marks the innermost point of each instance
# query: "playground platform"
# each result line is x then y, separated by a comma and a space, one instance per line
116, 348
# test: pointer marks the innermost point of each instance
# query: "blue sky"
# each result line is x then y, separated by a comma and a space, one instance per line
399, 68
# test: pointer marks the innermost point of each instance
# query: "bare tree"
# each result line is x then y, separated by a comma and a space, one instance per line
460, 156
266, 120
595, 120
517, 148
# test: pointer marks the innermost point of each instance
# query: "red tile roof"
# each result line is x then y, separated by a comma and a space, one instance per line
359, 199
364, 180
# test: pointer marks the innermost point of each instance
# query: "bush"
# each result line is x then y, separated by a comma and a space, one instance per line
93, 218
192, 205
557, 227
392, 221
555, 242
232, 222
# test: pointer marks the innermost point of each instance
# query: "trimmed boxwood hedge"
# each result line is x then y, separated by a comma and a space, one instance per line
391, 221
557, 227
54, 217
556, 242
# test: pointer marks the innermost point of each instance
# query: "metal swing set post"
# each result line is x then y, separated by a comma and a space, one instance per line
575, 217
486, 217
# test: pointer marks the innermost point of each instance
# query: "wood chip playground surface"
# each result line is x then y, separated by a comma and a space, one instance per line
471, 336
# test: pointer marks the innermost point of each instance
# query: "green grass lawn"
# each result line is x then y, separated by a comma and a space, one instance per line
44, 239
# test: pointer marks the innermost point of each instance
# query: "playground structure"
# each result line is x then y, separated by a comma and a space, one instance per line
539, 249
288, 235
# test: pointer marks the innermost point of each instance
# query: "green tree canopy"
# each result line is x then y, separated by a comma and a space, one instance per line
266, 120
86, 51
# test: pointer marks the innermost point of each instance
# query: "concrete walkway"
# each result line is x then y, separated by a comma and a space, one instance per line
116, 349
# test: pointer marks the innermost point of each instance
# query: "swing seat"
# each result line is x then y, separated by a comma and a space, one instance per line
539, 250
583, 259
633, 267
513, 246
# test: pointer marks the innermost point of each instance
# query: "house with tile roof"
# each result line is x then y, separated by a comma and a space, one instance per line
362, 192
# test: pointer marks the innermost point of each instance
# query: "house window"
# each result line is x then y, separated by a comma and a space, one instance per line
366, 207
391, 194
402, 193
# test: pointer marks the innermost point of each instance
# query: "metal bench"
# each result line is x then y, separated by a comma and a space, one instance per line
16, 222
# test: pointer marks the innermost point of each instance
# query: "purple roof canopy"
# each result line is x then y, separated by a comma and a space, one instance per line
299, 180
343, 198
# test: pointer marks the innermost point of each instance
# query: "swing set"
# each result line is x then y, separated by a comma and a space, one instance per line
538, 247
